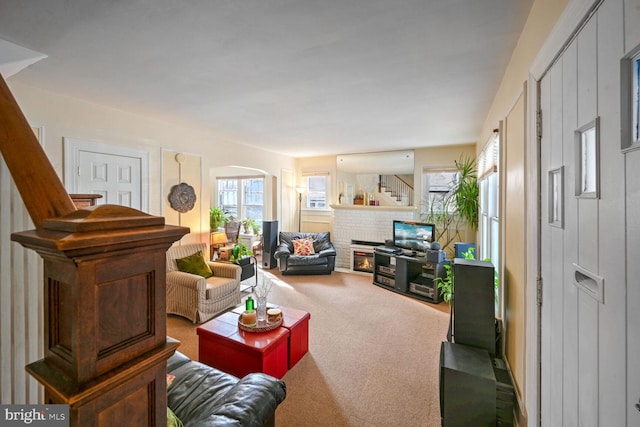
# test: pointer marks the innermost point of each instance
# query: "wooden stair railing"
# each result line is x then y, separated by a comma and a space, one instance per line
40, 188
104, 288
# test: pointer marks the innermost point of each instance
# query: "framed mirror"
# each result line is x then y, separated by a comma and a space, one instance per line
362, 176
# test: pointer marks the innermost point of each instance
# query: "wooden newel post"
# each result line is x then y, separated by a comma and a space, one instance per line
104, 284
105, 318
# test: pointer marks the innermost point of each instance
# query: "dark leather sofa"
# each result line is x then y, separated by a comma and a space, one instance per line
204, 396
322, 262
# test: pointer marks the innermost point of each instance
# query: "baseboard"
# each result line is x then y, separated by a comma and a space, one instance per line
519, 411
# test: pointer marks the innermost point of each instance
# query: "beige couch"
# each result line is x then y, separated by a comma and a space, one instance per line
194, 297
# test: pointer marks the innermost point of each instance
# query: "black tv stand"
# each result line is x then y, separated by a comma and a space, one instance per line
413, 275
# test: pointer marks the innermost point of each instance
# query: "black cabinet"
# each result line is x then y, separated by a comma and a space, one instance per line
467, 386
474, 304
475, 386
384, 270
413, 276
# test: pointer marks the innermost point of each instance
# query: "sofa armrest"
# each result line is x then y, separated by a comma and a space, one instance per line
188, 280
282, 251
204, 396
250, 401
327, 252
226, 269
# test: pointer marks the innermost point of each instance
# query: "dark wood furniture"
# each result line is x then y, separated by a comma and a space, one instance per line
414, 276
104, 285
82, 201
222, 345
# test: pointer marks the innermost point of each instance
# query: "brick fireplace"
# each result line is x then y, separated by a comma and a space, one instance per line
361, 260
364, 224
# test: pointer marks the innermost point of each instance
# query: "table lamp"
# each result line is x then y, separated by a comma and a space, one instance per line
217, 238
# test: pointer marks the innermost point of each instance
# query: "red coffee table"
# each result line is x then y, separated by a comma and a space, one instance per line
224, 346
297, 322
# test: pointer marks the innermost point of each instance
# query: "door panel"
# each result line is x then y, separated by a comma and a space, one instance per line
117, 178
570, 321
583, 358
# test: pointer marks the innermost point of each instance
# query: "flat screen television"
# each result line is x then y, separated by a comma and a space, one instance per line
411, 235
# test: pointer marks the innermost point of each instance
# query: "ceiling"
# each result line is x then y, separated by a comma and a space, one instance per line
297, 77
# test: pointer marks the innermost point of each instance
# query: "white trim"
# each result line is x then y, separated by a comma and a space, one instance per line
566, 26
72, 148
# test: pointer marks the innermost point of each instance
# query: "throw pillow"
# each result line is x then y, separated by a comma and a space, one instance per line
303, 247
170, 378
195, 264
172, 420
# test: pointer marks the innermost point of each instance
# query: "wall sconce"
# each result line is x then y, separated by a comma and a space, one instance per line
300, 191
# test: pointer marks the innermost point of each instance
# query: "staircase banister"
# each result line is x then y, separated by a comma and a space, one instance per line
404, 182
36, 180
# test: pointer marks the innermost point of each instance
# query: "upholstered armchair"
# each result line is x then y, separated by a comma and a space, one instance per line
192, 295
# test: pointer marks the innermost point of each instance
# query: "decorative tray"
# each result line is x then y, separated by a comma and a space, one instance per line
262, 326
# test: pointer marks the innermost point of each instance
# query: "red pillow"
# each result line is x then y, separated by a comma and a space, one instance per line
303, 247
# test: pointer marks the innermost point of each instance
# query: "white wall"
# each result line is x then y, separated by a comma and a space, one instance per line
62, 116
21, 288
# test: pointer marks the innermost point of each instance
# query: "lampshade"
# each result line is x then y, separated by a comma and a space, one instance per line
300, 190
219, 238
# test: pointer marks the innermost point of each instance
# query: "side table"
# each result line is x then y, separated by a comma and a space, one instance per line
224, 346
297, 322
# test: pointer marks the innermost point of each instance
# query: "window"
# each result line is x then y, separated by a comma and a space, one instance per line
636, 98
630, 98
228, 195
489, 208
316, 191
587, 162
242, 197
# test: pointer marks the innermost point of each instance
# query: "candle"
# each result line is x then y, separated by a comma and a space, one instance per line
249, 318
274, 314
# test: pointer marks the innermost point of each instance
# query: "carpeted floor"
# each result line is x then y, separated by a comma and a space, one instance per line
373, 354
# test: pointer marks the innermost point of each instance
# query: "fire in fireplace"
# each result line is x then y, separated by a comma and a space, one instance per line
362, 256
363, 261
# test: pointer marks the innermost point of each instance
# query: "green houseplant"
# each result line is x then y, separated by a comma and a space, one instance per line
218, 217
239, 252
445, 284
249, 224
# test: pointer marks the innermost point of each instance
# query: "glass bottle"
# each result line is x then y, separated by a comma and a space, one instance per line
249, 304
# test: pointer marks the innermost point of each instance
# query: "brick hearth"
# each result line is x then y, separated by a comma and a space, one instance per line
365, 223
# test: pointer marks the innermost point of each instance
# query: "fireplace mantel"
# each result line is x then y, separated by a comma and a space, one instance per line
375, 208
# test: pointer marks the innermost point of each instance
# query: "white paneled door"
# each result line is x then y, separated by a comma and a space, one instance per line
584, 329
116, 178
120, 175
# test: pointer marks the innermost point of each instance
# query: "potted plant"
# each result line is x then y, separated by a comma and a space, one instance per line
249, 224
445, 284
240, 254
218, 217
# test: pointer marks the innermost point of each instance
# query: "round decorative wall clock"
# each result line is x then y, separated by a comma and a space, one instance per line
182, 197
